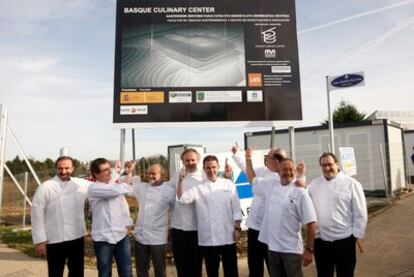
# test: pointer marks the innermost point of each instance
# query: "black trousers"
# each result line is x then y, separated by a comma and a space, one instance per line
257, 252
58, 253
338, 255
187, 256
228, 255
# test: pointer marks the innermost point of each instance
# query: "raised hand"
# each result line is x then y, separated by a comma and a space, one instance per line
300, 168
117, 166
235, 148
249, 152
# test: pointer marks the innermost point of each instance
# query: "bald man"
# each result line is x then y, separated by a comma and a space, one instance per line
155, 199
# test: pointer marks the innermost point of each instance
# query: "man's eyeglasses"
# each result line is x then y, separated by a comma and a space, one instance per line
105, 170
327, 165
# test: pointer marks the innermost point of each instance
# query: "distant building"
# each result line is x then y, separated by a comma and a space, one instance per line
405, 118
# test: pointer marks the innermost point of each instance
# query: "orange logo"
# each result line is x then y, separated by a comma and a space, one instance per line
254, 79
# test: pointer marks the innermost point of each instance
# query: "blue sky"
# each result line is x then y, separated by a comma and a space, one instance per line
56, 72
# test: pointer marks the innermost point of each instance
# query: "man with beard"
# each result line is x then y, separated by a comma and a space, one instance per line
287, 208
58, 221
342, 218
187, 256
155, 199
218, 217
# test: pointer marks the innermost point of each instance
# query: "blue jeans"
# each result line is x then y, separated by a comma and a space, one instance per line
121, 251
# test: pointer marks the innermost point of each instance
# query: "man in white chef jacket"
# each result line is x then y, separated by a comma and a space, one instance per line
218, 217
110, 220
155, 199
187, 256
342, 218
287, 208
58, 221
257, 252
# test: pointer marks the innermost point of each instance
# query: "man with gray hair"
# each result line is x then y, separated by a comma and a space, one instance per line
287, 207
187, 255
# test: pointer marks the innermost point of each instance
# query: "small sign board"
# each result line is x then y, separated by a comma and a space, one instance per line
345, 81
348, 162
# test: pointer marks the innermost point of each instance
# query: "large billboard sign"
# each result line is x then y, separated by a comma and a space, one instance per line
209, 61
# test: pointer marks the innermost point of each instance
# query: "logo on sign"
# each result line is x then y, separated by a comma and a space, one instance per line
269, 35
255, 79
347, 80
270, 53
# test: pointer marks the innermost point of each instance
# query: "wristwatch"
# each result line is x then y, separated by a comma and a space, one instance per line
237, 228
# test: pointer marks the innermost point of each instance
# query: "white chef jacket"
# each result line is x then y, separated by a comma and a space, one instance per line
58, 210
257, 206
151, 227
110, 211
341, 207
287, 208
218, 207
184, 216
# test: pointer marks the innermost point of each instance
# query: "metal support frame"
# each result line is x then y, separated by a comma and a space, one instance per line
3, 123
17, 184
4, 128
26, 184
23, 155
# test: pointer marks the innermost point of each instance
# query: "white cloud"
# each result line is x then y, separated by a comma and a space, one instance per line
356, 16
32, 66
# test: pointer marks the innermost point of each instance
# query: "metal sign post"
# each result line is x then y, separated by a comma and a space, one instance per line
330, 119
339, 82
272, 137
122, 152
292, 144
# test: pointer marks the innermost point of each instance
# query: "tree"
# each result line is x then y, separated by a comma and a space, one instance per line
346, 112
17, 165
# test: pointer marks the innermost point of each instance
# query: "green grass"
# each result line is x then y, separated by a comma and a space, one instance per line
18, 239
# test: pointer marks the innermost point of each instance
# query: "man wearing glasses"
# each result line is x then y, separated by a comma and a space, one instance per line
341, 210
110, 220
257, 250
